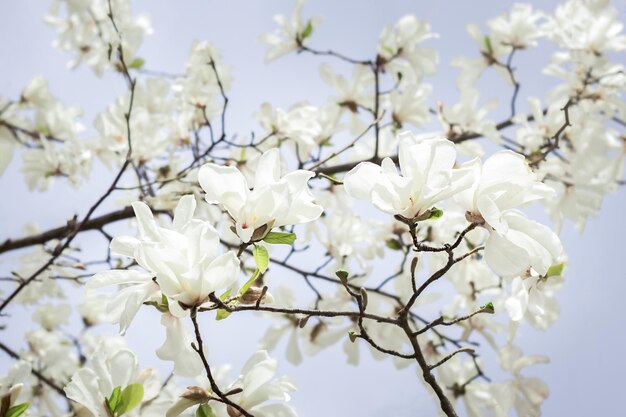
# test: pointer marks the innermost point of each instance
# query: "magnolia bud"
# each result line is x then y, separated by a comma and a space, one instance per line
233, 412
474, 217
252, 295
195, 393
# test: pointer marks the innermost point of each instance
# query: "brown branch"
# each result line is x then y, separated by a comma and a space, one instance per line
63, 231
448, 357
216, 389
446, 405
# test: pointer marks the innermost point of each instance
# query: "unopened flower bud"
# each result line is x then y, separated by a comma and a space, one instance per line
473, 217
252, 295
233, 412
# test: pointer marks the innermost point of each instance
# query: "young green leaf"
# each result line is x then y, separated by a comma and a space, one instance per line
114, 399
130, 398
394, 244
205, 410
280, 238
488, 45
488, 308
249, 282
342, 275
435, 213
222, 314
137, 63
261, 257
17, 410
555, 270
308, 31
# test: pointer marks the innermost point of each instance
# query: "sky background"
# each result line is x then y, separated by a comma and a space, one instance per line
585, 345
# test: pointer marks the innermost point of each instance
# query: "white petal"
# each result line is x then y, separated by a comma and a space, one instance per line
504, 257
148, 228
183, 213
268, 168
124, 245
360, 180
224, 185
177, 348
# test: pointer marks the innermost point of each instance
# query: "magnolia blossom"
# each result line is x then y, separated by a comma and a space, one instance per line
504, 183
183, 267
427, 176
518, 28
300, 125
290, 34
532, 298
402, 41
183, 261
274, 201
94, 383
85, 29
257, 385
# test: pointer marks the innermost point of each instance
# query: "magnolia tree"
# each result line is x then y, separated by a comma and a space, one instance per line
368, 201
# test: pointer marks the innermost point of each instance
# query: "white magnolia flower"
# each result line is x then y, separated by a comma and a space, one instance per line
491, 50
257, 388
182, 264
300, 125
402, 41
525, 244
467, 115
532, 297
86, 29
518, 28
505, 181
274, 201
94, 383
578, 25
290, 34
183, 261
427, 176
515, 244
409, 105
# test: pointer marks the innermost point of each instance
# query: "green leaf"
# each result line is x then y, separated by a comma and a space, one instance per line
130, 398
261, 257
137, 63
352, 335
488, 45
435, 213
17, 410
205, 410
162, 306
249, 282
308, 30
113, 401
342, 275
280, 238
393, 244
555, 270
222, 314
488, 308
